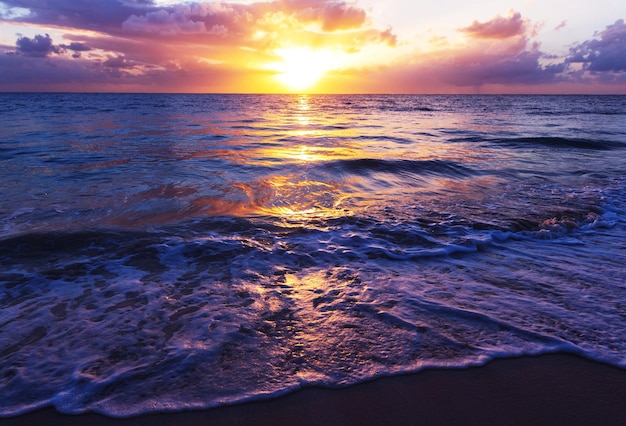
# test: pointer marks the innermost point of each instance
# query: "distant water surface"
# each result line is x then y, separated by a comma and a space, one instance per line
166, 252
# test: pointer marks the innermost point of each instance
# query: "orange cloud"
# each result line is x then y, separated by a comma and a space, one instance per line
497, 28
338, 16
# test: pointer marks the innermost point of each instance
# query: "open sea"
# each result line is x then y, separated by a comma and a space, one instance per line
170, 252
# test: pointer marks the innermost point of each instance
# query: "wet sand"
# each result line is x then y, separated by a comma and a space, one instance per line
548, 390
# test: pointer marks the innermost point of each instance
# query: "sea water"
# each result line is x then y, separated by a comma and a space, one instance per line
167, 252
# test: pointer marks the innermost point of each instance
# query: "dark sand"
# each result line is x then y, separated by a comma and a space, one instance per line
549, 390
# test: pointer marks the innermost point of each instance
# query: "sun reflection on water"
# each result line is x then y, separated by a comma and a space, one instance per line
298, 198
303, 157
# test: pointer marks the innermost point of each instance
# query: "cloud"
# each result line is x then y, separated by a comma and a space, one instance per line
23, 73
475, 68
500, 55
142, 36
36, 47
336, 16
388, 37
311, 22
118, 62
138, 3
520, 68
99, 15
116, 74
606, 54
238, 21
76, 47
41, 46
498, 27
139, 45
164, 22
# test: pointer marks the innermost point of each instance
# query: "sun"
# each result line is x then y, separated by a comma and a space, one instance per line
302, 67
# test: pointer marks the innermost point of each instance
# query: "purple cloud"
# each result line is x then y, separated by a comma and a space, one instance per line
138, 3
502, 55
607, 54
520, 68
164, 22
101, 15
118, 62
76, 47
36, 47
24, 73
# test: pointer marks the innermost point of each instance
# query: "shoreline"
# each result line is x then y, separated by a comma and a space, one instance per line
546, 389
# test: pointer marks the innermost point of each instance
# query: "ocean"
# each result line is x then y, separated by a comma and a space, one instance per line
170, 252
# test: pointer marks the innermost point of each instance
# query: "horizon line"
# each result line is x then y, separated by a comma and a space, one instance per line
301, 94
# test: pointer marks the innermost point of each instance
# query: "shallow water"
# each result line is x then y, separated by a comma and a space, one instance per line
163, 252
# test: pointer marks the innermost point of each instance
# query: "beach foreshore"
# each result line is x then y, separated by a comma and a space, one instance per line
549, 389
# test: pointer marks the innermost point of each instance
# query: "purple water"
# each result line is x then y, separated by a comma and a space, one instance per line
166, 252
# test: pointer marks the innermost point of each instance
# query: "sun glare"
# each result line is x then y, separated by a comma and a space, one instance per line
302, 67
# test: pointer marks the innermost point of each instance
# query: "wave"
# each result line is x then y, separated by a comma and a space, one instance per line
409, 109
403, 141
558, 142
546, 141
366, 166
288, 244
399, 231
579, 111
185, 308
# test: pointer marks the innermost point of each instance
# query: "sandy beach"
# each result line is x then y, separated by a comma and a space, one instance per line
550, 389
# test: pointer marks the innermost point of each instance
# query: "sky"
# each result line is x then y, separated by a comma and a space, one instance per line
314, 46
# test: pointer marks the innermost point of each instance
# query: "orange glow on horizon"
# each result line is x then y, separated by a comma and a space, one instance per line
302, 68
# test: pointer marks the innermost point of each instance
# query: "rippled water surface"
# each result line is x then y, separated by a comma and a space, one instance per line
163, 252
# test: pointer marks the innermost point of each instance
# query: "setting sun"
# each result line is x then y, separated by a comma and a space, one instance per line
302, 67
